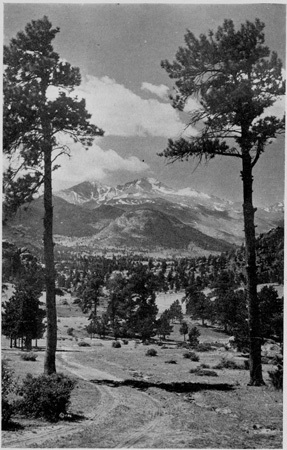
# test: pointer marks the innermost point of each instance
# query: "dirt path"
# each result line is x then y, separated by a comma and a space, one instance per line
111, 398
109, 403
125, 400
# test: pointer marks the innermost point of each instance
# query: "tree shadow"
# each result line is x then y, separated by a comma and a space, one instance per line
179, 387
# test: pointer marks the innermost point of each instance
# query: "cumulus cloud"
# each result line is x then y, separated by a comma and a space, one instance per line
94, 163
120, 112
161, 91
192, 105
277, 109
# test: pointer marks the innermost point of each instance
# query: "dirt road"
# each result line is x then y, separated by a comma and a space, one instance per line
125, 399
140, 415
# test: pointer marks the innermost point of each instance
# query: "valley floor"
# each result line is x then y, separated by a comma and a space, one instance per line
127, 399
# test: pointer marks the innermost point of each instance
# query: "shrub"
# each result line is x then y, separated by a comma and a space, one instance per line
191, 355
182, 345
203, 372
204, 366
229, 364
116, 344
83, 344
125, 341
8, 386
276, 376
171, 361
204, 347
151, 352
46, 396
70, 331
29, 356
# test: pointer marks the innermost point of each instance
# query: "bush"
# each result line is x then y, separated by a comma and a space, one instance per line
8, 386
229, 364
204, 347
276, 376
70, 331
116, 344
29, 356
125, 341
83, 344
171, 361
45, 396
204, 366
191, 355
151, 352
182, 345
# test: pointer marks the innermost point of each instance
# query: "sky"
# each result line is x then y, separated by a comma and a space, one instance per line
118, 48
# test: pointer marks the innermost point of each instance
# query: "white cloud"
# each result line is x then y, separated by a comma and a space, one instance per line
191, 105
94, 163
277, 109
161, 90
120, 112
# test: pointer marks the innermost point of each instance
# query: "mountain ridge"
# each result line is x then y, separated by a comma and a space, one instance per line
143, 213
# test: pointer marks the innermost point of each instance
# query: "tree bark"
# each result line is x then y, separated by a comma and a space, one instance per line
51, 339
256, 378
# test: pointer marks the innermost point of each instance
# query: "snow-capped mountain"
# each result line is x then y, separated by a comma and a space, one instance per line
92, 194
144, 214
218, 218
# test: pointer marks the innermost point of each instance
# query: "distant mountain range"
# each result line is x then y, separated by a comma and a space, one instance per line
142, 214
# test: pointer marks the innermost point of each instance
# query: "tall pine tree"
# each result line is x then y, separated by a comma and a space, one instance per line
33, 127
234, 79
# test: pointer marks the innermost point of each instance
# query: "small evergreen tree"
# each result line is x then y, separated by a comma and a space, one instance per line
271, 308
164, 328
175, 311
193, 336
22, 313
197, 304
183, 329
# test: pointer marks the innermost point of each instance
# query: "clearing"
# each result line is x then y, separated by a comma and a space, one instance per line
126, 399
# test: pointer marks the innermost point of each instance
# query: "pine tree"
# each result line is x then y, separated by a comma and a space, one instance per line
33, 127
22, 314
183, 329
233, 77
164, 328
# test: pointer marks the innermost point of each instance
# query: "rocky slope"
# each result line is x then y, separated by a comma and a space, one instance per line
141, 214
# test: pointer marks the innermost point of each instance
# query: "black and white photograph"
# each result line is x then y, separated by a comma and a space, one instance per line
143, 169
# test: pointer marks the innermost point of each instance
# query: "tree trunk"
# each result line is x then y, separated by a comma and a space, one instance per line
28, 343
51, 340
256, 378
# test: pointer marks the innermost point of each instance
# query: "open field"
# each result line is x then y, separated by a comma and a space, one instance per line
127, 399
